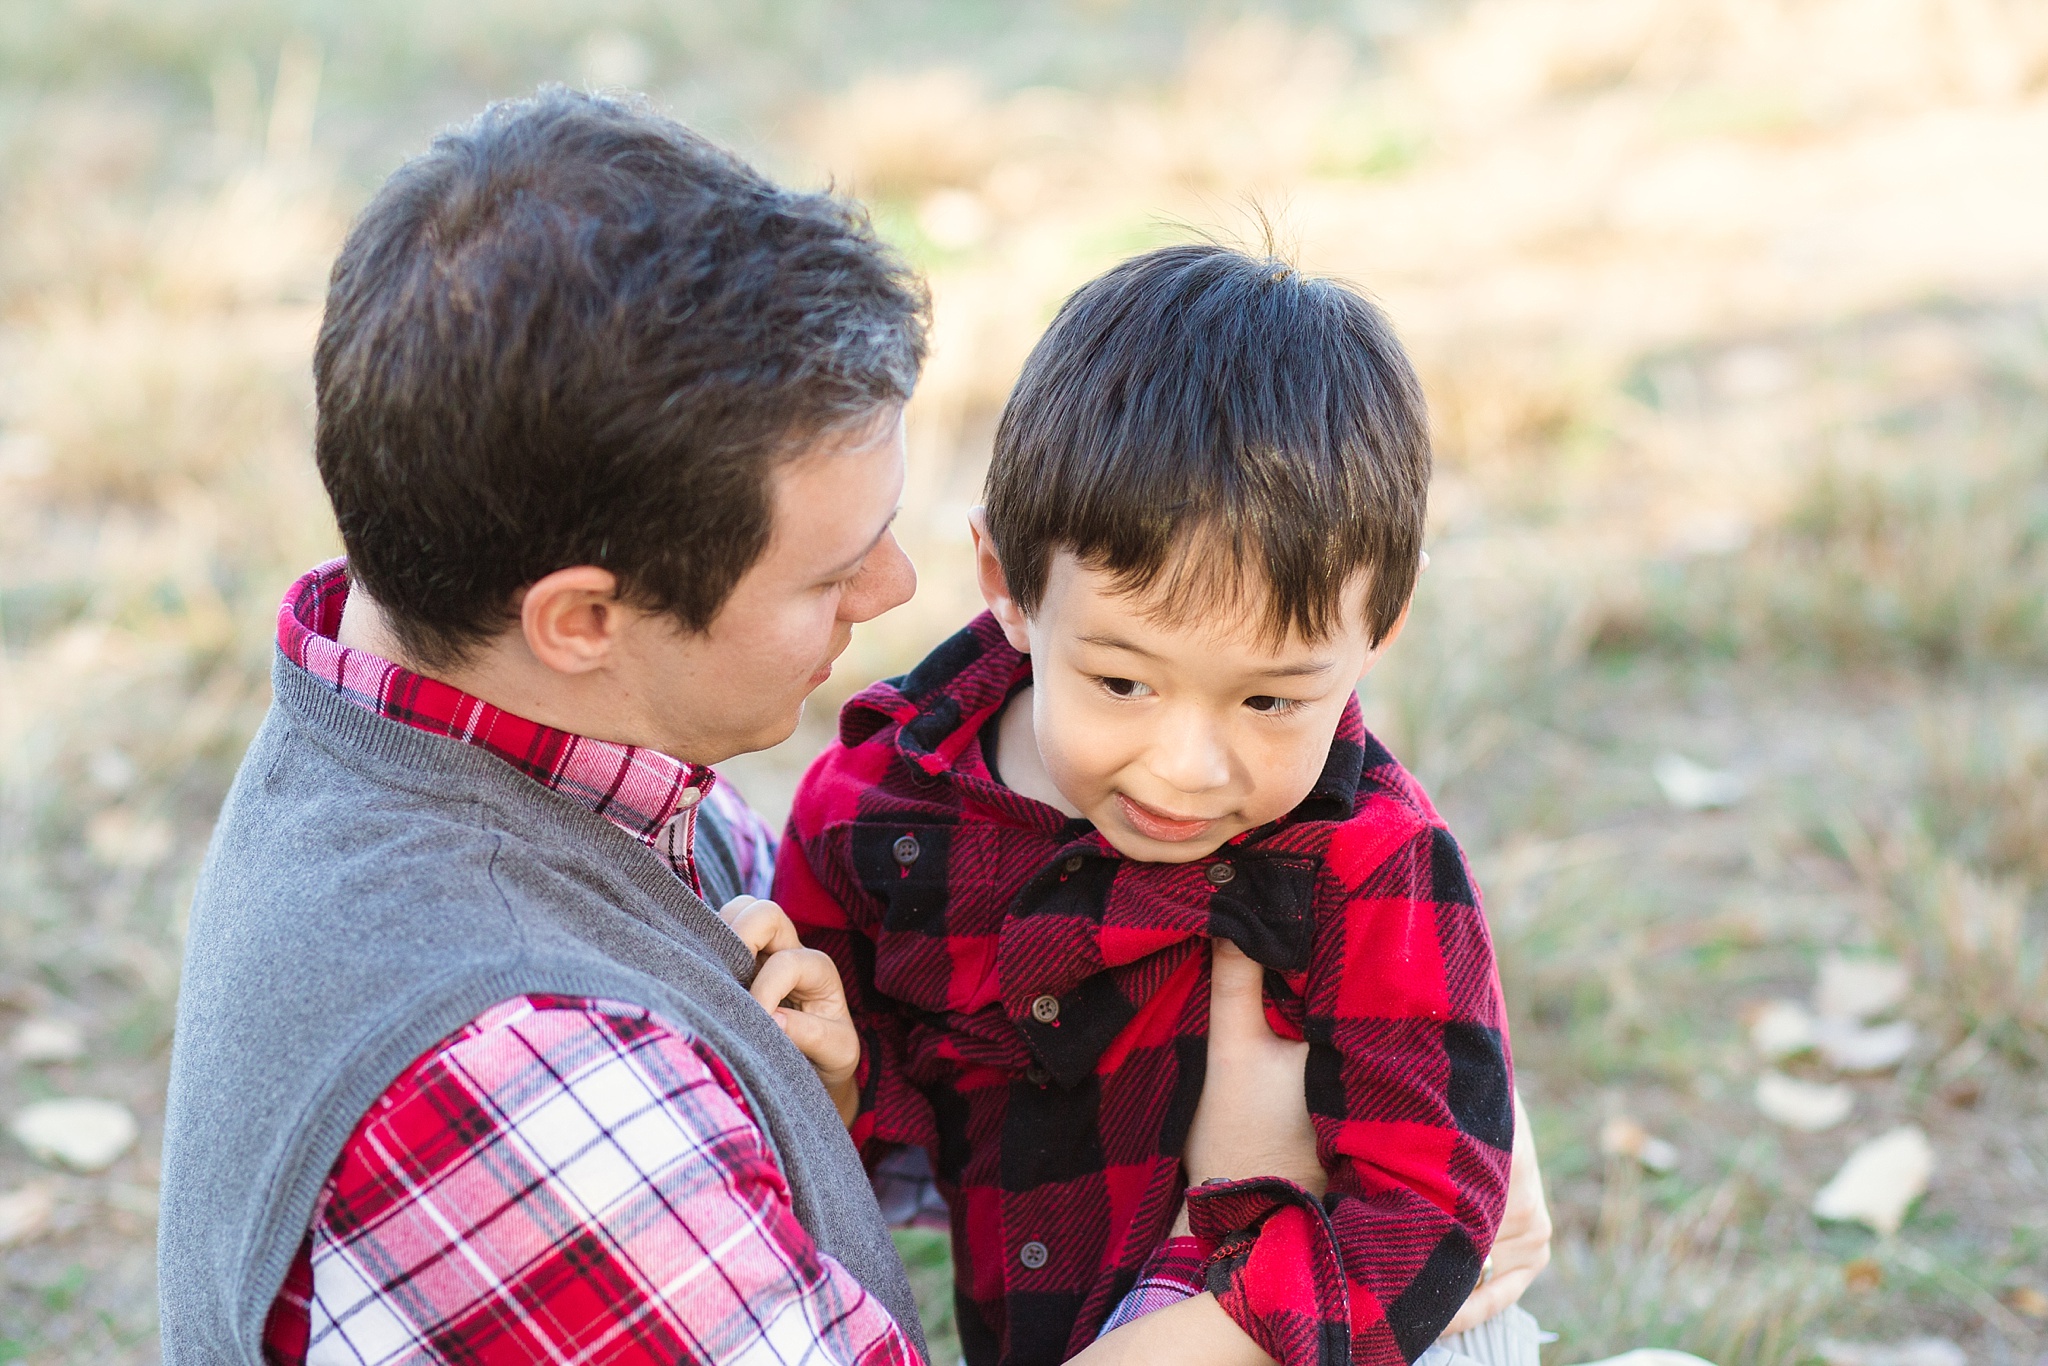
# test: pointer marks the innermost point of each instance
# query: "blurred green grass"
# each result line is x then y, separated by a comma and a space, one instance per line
1789, 522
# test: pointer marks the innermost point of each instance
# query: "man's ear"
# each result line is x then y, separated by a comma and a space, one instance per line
572, 619
995, 588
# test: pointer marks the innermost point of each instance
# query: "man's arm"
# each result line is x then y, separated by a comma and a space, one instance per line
565, 1180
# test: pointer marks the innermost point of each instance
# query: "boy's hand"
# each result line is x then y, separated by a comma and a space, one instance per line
1252, 1119
800, 989
1522, 1248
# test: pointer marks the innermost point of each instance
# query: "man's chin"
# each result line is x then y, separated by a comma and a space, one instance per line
774, 733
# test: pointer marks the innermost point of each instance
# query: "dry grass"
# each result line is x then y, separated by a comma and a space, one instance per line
1734, 318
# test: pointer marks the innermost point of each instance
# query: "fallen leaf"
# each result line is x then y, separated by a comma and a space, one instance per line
43, 1039
1652, 1356
2025, 1299
1658, 1155
1781, 1029
1850, 1047
1691, 786
1911, 1352
1625, 1137
1963, 1095
1807, 1106
1880, 1181
25, 1213
1863, 1274
1622, 1137
1859, 988
85, 1135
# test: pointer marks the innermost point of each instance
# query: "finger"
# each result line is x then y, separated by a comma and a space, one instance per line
761, 925
804, 977
1489, 1299
1237, 1010
834, 1049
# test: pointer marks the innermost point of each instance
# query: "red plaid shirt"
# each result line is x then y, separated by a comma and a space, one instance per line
562, 1180
1034, 1008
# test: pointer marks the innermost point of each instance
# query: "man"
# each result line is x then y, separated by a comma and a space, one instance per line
466, 1064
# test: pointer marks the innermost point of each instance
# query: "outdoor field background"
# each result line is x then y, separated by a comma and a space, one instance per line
1733, 316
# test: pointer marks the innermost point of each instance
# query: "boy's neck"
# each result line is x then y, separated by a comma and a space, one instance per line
1016, 760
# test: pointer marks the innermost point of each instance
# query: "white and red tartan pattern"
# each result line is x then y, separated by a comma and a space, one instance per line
568, 1181
1176, 1271
652, 797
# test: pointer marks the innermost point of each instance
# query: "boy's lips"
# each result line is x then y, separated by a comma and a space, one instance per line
1159, 826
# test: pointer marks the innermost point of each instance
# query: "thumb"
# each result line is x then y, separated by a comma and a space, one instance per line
1236, 994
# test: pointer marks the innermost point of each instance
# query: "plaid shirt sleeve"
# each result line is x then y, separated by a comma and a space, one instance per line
1410, 1094
567, 1180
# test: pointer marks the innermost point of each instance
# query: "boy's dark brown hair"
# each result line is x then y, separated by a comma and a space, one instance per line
574, 332
1221, 428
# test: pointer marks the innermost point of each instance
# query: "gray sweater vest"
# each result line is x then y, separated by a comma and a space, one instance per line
369, 889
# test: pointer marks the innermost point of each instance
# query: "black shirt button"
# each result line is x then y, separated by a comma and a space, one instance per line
1037, 1075
1033, 1254
1045, 1009
1073, 863
906, 850
1220, 873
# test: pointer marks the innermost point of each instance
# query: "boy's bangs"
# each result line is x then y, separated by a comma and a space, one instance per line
1205, 571
1220, 433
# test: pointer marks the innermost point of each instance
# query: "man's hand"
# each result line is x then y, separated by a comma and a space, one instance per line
1252, 1119
800, 989
1522, 1247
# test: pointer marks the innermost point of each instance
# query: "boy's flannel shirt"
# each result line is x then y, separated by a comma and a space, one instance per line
1034, 1007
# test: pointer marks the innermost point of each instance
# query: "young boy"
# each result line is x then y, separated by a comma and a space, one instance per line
1204, 521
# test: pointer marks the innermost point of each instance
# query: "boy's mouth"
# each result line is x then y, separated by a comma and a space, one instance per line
1157, 825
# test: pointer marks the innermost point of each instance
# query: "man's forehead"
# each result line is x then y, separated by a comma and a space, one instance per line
834, 500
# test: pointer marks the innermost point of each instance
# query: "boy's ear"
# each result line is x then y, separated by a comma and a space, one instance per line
995, 588
1379, 651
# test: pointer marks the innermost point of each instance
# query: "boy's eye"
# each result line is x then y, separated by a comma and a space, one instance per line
1124, 687
1271, 706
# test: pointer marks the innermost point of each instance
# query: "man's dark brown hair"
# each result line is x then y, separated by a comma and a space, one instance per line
574, 332
1225, 429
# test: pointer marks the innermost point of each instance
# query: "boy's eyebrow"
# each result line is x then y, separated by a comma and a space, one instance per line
1308, 668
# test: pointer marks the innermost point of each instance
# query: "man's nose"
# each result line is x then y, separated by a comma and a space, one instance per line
886, 580
1190, 754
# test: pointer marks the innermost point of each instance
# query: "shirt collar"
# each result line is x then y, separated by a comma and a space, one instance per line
649, 795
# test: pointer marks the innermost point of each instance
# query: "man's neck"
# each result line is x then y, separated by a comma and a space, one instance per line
364, 628
491, 673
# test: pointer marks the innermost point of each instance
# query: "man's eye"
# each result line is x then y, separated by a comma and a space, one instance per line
1124, 687
1271, 706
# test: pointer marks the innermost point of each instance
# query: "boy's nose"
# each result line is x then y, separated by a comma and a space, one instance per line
1190, 757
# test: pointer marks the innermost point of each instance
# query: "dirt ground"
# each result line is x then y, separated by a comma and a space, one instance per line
1734, 321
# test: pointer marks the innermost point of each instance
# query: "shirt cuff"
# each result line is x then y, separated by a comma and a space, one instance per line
1174, 1272
1276, 1270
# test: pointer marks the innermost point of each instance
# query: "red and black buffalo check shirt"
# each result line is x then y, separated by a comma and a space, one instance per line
1034, 1007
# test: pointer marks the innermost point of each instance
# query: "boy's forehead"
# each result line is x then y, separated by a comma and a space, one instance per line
1222, 621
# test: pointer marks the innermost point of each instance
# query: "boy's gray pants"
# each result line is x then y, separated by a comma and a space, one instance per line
1509, 1338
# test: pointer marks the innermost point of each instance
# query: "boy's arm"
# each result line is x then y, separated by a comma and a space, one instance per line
889, 1110
1410, 1092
